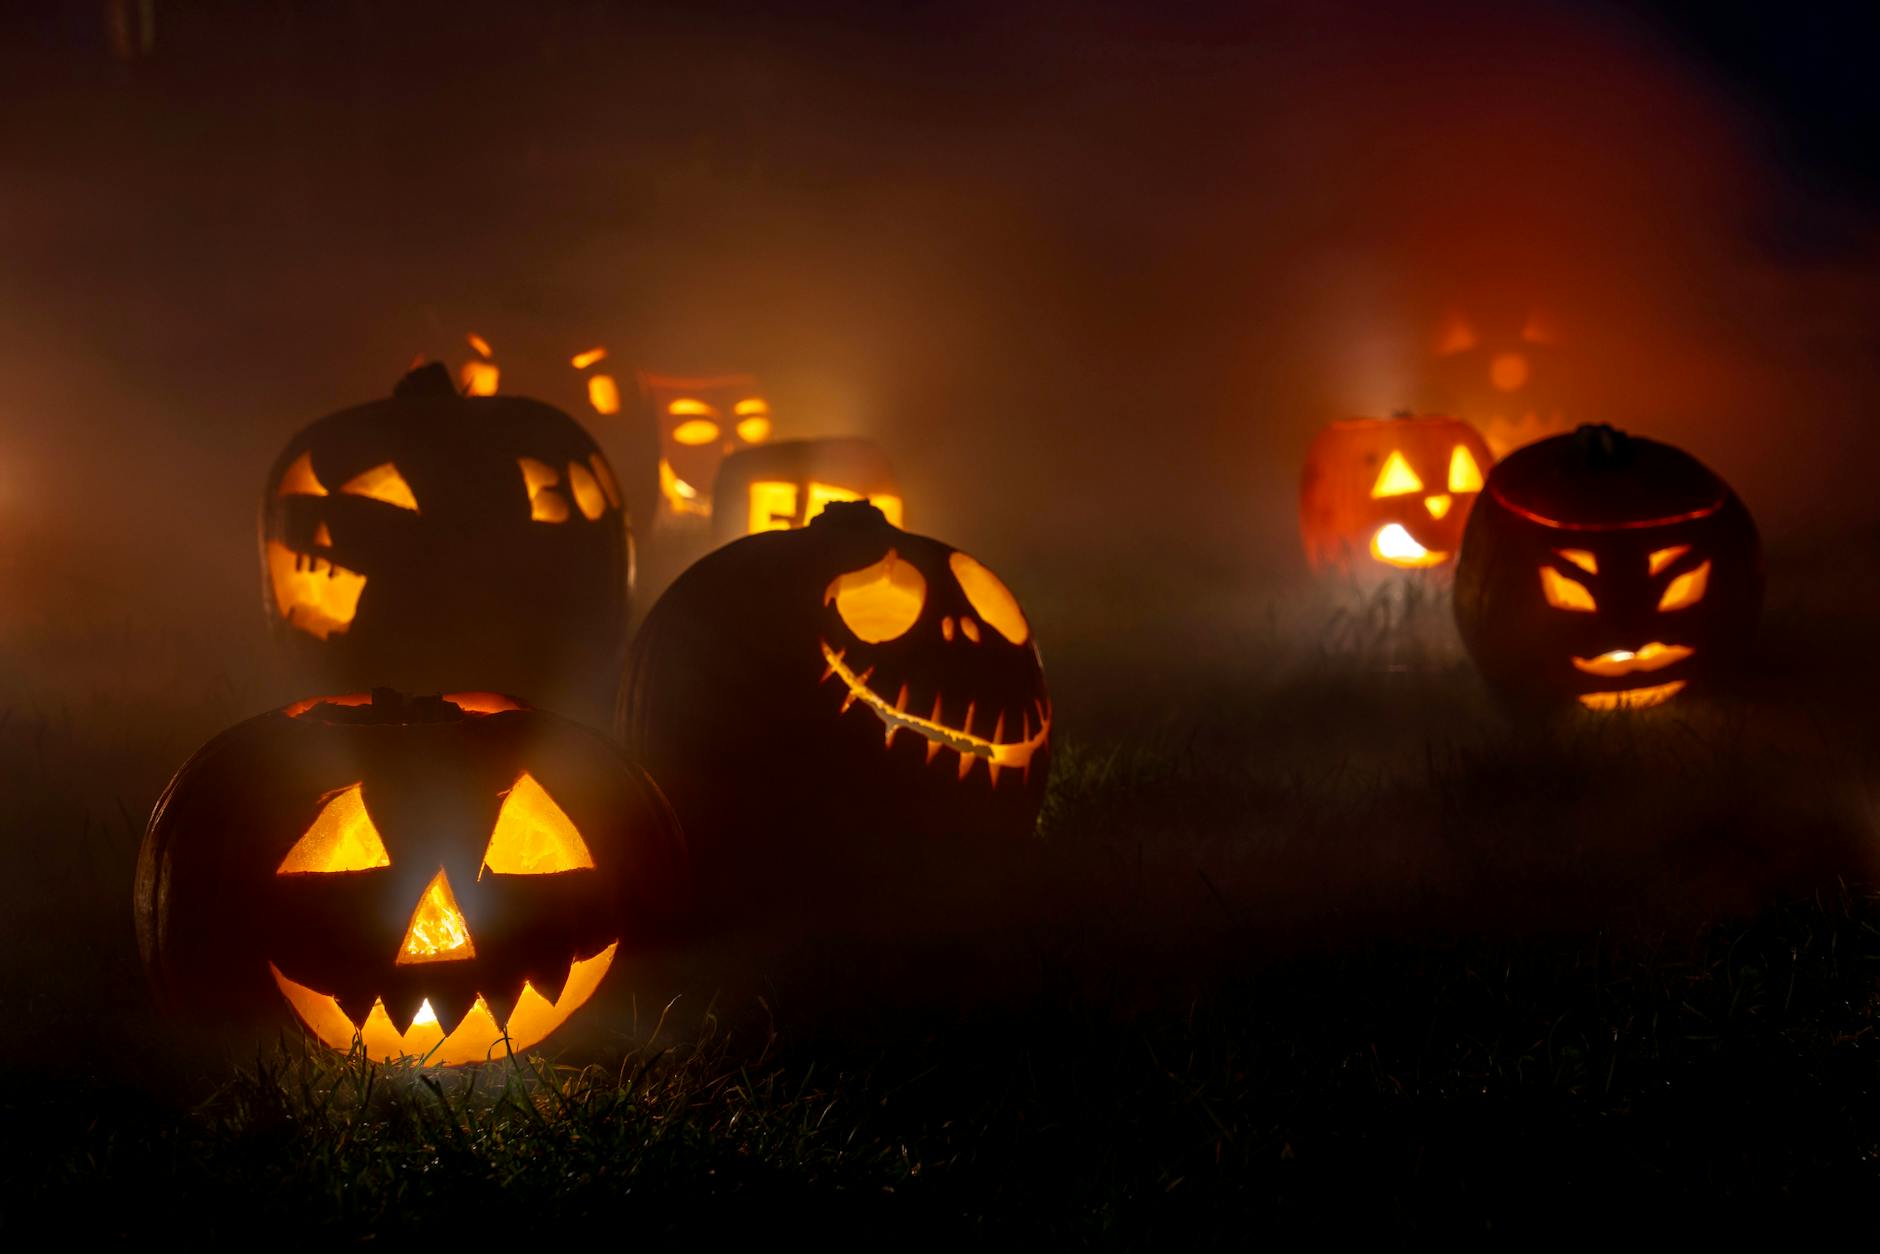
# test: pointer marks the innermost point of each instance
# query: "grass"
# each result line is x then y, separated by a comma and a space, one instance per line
1312, 940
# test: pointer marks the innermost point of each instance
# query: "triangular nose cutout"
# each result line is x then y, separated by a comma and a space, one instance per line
438, 932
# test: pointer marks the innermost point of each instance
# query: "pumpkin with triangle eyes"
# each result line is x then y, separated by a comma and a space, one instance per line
1606, 570
440, 877
817, 699
438, 542
1383, 494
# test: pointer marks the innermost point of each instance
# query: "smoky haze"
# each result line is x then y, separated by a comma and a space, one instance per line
1091, 278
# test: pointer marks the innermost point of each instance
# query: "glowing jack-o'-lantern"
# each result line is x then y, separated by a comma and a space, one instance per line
1390, 493
1504, 371
439, 541
787, 484
1606, 569
868, 689
446, 877
700, 420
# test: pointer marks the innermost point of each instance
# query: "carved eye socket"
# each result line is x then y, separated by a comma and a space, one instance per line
753, 415
382, 483
696, 431
990, 598
1396, 479
342, 837
534, 836
1686, 589
1464, 474
1564, 594
1664, 557
546, 503
879, 602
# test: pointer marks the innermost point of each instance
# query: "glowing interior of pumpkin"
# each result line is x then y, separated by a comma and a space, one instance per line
988, 594
1395, 546
998, 753
773, 503
479, 375
879, 602
532, 836
1632, 698
313, 593
681, 497
1647, 657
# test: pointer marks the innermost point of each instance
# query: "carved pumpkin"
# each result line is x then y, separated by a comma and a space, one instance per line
844, 691
700, 420
1383, 494
1505, 371
436, 542
787, 484
421, 873
1606, 569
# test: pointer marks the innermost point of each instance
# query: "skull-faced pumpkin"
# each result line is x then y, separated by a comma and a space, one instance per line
1383, 494
700, 420
844, 687
787, 484
445, 878
438, 542
1608, 570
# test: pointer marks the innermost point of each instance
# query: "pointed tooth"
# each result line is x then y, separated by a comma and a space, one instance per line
966, 762
831, 668
968, 727
993, 769
502, 1005
998, 729
1025, 723
550, 985
933, 751
847, 702
900, 702
935, 716
887, 739
403, 1006
861, 680
356, 1007
450, 1006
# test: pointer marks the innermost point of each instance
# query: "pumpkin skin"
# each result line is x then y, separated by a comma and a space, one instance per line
494, 555
770, 722
243, 921
778, 486
1606, 570
1419, 476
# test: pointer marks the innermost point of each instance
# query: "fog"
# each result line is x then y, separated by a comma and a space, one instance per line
1091, 277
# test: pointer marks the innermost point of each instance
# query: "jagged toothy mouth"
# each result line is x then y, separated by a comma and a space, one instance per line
313, 594
998, 754
477, 1037
1632, 698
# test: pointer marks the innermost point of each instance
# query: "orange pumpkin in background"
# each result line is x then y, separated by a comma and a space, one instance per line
1384, 494
1503, 371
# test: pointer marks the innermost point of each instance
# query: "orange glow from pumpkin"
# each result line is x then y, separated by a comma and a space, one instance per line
342, 837
1396, 479
1632, 698
1564, 594
438, 931
545, 503
991, 598
604, 394
1464, 474
480, 378
478, 1038
382, 483
881, 601
1650, 657
581, 361
299, 480
534, 836
1508, 372
1687, 589
311, 593
681, 497
1438, 506
695, 431
1394, 546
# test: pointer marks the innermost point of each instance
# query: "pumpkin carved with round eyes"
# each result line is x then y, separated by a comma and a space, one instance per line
444, 878
1606, 570
820, 697
700, 420
787, 484
1384, 494
436, 542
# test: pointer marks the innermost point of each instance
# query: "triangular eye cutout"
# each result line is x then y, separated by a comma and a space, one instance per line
1396, 479
299, 480
341, 838
534, 836
1464, 474
438, 931
382, 483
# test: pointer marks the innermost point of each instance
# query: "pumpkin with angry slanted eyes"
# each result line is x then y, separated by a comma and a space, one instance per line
1606, 570
1384, 494
843, 691
787, 484
440, 877
440, 542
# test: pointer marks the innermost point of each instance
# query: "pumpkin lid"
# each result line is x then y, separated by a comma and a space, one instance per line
1600, 477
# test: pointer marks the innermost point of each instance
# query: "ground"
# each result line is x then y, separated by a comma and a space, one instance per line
1313, 936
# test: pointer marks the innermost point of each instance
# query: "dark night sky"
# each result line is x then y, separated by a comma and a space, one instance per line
1092, 273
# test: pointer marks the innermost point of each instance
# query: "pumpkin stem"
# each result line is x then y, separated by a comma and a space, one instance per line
430, 379
1603, 444
849, 514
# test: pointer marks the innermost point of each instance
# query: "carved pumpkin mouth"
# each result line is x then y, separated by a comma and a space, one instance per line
1393, 545
313, 593
1650, 657
477, 1037
1632, 698
998, 754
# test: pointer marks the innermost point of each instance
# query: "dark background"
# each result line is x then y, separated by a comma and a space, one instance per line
1092, 273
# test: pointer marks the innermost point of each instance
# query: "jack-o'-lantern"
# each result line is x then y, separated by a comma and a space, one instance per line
787, 484
440, 877
1608, 570
700, 420
1385, 494
815, 700
1503, 370
437, 542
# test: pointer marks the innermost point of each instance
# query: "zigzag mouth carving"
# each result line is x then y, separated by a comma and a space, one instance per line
998, 754
313, 594
476, 1037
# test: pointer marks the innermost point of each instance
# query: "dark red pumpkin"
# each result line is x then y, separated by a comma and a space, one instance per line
438, 542
1383, 494
821, 699
423, 872
1606, 569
